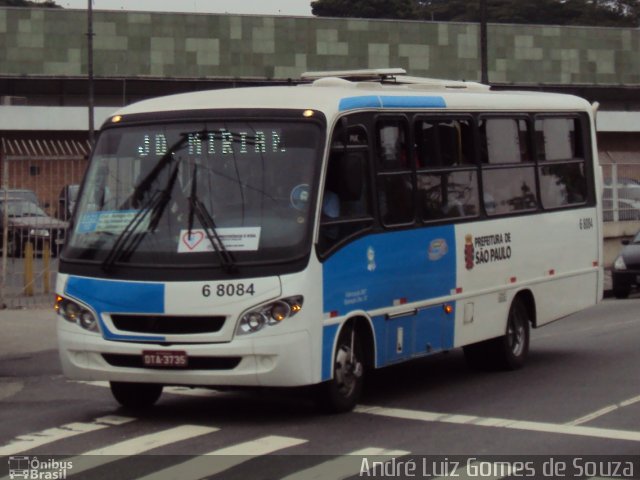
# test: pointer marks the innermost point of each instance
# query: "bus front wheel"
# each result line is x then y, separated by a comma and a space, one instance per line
136, 395
342, 392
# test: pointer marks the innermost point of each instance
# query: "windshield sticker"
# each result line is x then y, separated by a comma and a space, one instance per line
109, 221
240, 239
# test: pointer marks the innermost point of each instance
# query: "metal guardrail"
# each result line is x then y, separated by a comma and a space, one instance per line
621, 192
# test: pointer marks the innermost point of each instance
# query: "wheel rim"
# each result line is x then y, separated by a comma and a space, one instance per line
348, 371
517, 333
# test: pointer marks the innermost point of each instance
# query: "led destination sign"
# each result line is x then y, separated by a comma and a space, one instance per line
220, 142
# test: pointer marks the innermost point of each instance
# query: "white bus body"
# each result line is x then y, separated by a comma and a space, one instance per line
381, 281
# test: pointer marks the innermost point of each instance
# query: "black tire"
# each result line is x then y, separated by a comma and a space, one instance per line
508, 352
343, 391
621, 292
620, 289
136, 395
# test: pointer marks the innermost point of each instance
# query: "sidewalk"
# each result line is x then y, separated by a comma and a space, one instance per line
27, 331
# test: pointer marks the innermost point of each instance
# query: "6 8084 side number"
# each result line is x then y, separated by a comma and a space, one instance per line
228, 290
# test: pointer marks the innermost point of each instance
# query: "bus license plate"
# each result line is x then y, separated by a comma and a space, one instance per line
164, 359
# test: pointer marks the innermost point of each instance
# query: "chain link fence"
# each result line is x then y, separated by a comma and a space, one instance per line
39, 183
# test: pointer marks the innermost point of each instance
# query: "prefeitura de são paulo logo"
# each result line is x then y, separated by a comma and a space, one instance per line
468, 251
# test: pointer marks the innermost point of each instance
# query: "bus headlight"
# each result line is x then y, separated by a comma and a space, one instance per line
75, 313
619, 264
268, 315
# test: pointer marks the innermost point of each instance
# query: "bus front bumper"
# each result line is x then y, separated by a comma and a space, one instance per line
268, 361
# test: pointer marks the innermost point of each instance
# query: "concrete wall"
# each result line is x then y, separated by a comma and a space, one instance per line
53, 42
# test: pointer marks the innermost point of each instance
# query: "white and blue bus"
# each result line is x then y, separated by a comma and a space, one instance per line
304, 235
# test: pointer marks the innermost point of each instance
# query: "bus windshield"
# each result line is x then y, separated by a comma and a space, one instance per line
207, 193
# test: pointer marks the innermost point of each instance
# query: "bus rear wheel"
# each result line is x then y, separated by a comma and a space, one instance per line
508, 352
136, 395
342, 392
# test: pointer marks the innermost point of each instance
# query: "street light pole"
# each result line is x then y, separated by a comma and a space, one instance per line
484, 63
90, 69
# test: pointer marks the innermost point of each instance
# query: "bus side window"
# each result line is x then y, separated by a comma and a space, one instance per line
346, 205
447, 179
508, 179
346, 192
395, 172
561, 162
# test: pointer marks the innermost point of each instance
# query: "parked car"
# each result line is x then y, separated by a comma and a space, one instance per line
27, 222
67, 201
21, 193
625, 273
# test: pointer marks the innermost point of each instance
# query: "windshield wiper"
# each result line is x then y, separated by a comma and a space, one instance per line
126, 243
197, 208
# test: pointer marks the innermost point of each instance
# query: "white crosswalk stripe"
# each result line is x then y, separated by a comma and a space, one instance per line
136, 446
545, 427
225, 458
28, 442
346, 466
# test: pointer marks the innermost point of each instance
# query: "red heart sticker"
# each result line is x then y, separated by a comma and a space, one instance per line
193, 240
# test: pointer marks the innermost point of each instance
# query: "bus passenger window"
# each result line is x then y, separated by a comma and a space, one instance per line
561, 162
395, 184
449, 195
509, 177
392, 145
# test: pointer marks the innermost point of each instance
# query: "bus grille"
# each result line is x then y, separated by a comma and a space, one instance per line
167, 324
195, 363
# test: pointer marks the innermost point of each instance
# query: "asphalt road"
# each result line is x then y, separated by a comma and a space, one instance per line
579, 395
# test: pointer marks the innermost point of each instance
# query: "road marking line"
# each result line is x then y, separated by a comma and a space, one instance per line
23, 443
501, 423
134, 446
604, 411
346, 466
226, 458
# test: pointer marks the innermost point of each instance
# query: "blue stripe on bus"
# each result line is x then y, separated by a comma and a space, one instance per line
391, 101
352, 103
118, 297
389, 269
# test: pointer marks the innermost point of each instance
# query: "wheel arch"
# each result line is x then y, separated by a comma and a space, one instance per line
364, 329
527, 298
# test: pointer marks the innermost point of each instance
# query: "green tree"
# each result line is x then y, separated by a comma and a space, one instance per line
611, 13
400, 9
27, 3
